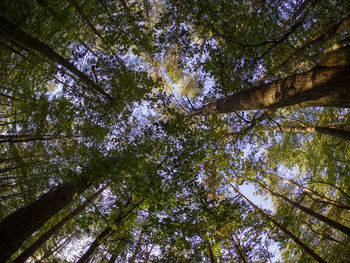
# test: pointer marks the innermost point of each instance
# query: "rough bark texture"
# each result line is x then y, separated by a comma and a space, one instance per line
343, 134
322, 86
20, 225
46, 236
84, 258
11, 31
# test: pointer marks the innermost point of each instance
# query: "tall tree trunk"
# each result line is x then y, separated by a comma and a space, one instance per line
137, 247
300, 243
48, 234
308, 190
94, 29
13, 32
106, 232
322, 86
211, 254
237, 248
113, 258
13, 138
322, 218
343, 134
84, 258
334, 30
20, 225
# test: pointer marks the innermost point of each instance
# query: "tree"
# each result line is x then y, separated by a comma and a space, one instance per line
42, 239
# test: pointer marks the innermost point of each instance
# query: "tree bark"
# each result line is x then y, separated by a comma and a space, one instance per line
321, 86
106, 232
113, 258
319, 40
305, 189
20, 225
211, 254
137, 247
29, 138
300, 243
84, 258
48, 234
13, 32
339, 133
322, 218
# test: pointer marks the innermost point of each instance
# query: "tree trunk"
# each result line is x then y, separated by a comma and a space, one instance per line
47, 235
237, 249
305, 189
334, 30
137, 247
322, 218
343, 134
84, 258
11, 31
13, 138
113, 258
322, 86
211, 254
106, 232
300, 243
20, 225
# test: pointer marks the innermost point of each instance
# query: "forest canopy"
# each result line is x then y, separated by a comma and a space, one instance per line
174, 131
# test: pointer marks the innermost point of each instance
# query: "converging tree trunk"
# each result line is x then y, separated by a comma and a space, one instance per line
84, 258
339, 133
20, 225
108, 231
323, 86
300, 243
13, 32
308, 190
48, 234
332, 31
137, 247
211, 253
310, 212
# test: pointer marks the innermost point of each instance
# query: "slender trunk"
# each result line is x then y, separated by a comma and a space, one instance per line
55, 250
322, 218
322, 86
8, 96
211, 254
13, 32
20, 225
300, 243
329, 33
94, 29
305, 189
84, 258
113, 258
106, 232
27, 138
343, 134
47, 235
87, 20
238, 250
148, 253
137, 247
